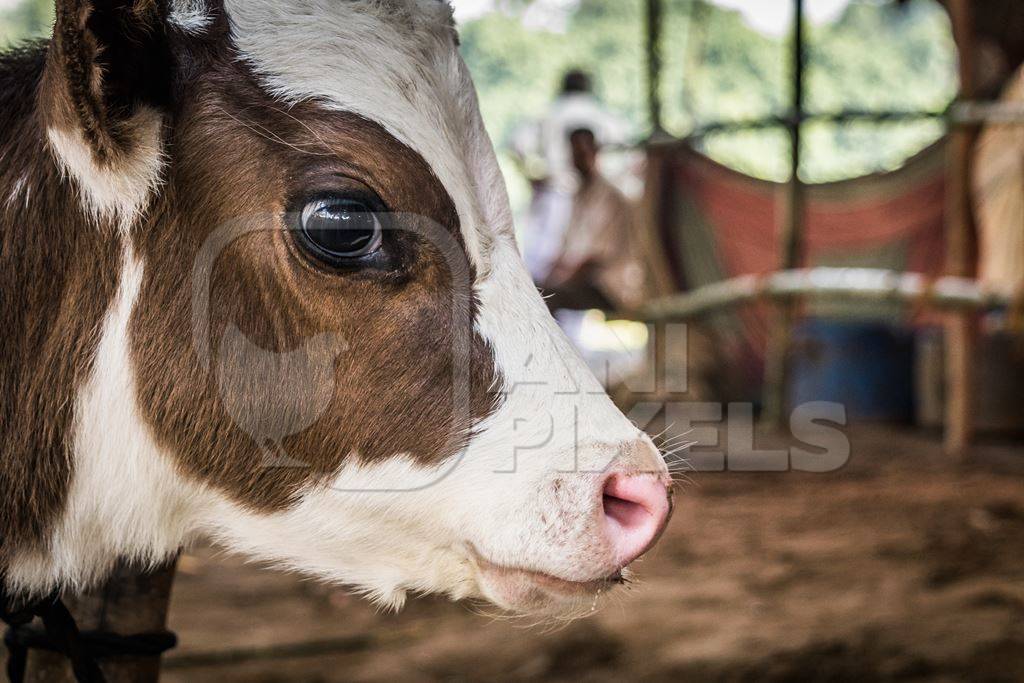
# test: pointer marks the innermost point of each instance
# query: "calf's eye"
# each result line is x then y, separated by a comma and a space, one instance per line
340, 229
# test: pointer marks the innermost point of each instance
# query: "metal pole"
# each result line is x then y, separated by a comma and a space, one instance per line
654, 14
791, 239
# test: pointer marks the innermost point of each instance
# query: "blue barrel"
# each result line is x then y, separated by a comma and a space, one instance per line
866, 366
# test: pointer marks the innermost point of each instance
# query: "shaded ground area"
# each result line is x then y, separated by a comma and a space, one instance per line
901, 566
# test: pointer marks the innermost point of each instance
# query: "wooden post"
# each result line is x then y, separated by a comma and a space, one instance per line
128, 603
961, 327
664, 277
776, 379
653, 44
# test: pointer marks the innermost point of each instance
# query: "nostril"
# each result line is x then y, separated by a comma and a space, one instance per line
636, 508
635, 491
623, 512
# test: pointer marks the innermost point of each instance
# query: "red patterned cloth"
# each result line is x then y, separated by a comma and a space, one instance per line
723, 223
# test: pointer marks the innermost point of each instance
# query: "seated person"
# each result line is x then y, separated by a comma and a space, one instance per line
597, 266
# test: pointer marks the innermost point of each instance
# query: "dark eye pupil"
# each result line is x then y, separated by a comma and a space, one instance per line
346, 228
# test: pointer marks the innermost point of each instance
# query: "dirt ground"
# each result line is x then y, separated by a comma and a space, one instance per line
901, 566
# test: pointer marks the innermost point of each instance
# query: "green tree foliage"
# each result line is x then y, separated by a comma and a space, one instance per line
518, 69
876, 56
28, 19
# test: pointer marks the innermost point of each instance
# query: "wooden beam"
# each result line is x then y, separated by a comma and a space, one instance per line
776, 374
961, 259
871, 285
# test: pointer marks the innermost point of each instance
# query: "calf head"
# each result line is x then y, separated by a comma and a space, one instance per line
322, 349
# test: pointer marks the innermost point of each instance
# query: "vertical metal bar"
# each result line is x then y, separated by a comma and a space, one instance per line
791, 238
792, 242
654, 16
961, 328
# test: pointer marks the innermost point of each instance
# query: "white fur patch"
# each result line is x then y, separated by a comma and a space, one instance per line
21, 187
382, 543
119, 192
190, 16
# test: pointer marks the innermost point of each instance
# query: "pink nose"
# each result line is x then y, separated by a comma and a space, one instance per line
636, 510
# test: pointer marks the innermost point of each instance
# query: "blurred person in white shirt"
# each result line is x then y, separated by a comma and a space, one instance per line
542, 151
599, 263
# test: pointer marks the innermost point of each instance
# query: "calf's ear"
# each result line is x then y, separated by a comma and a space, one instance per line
105, 93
